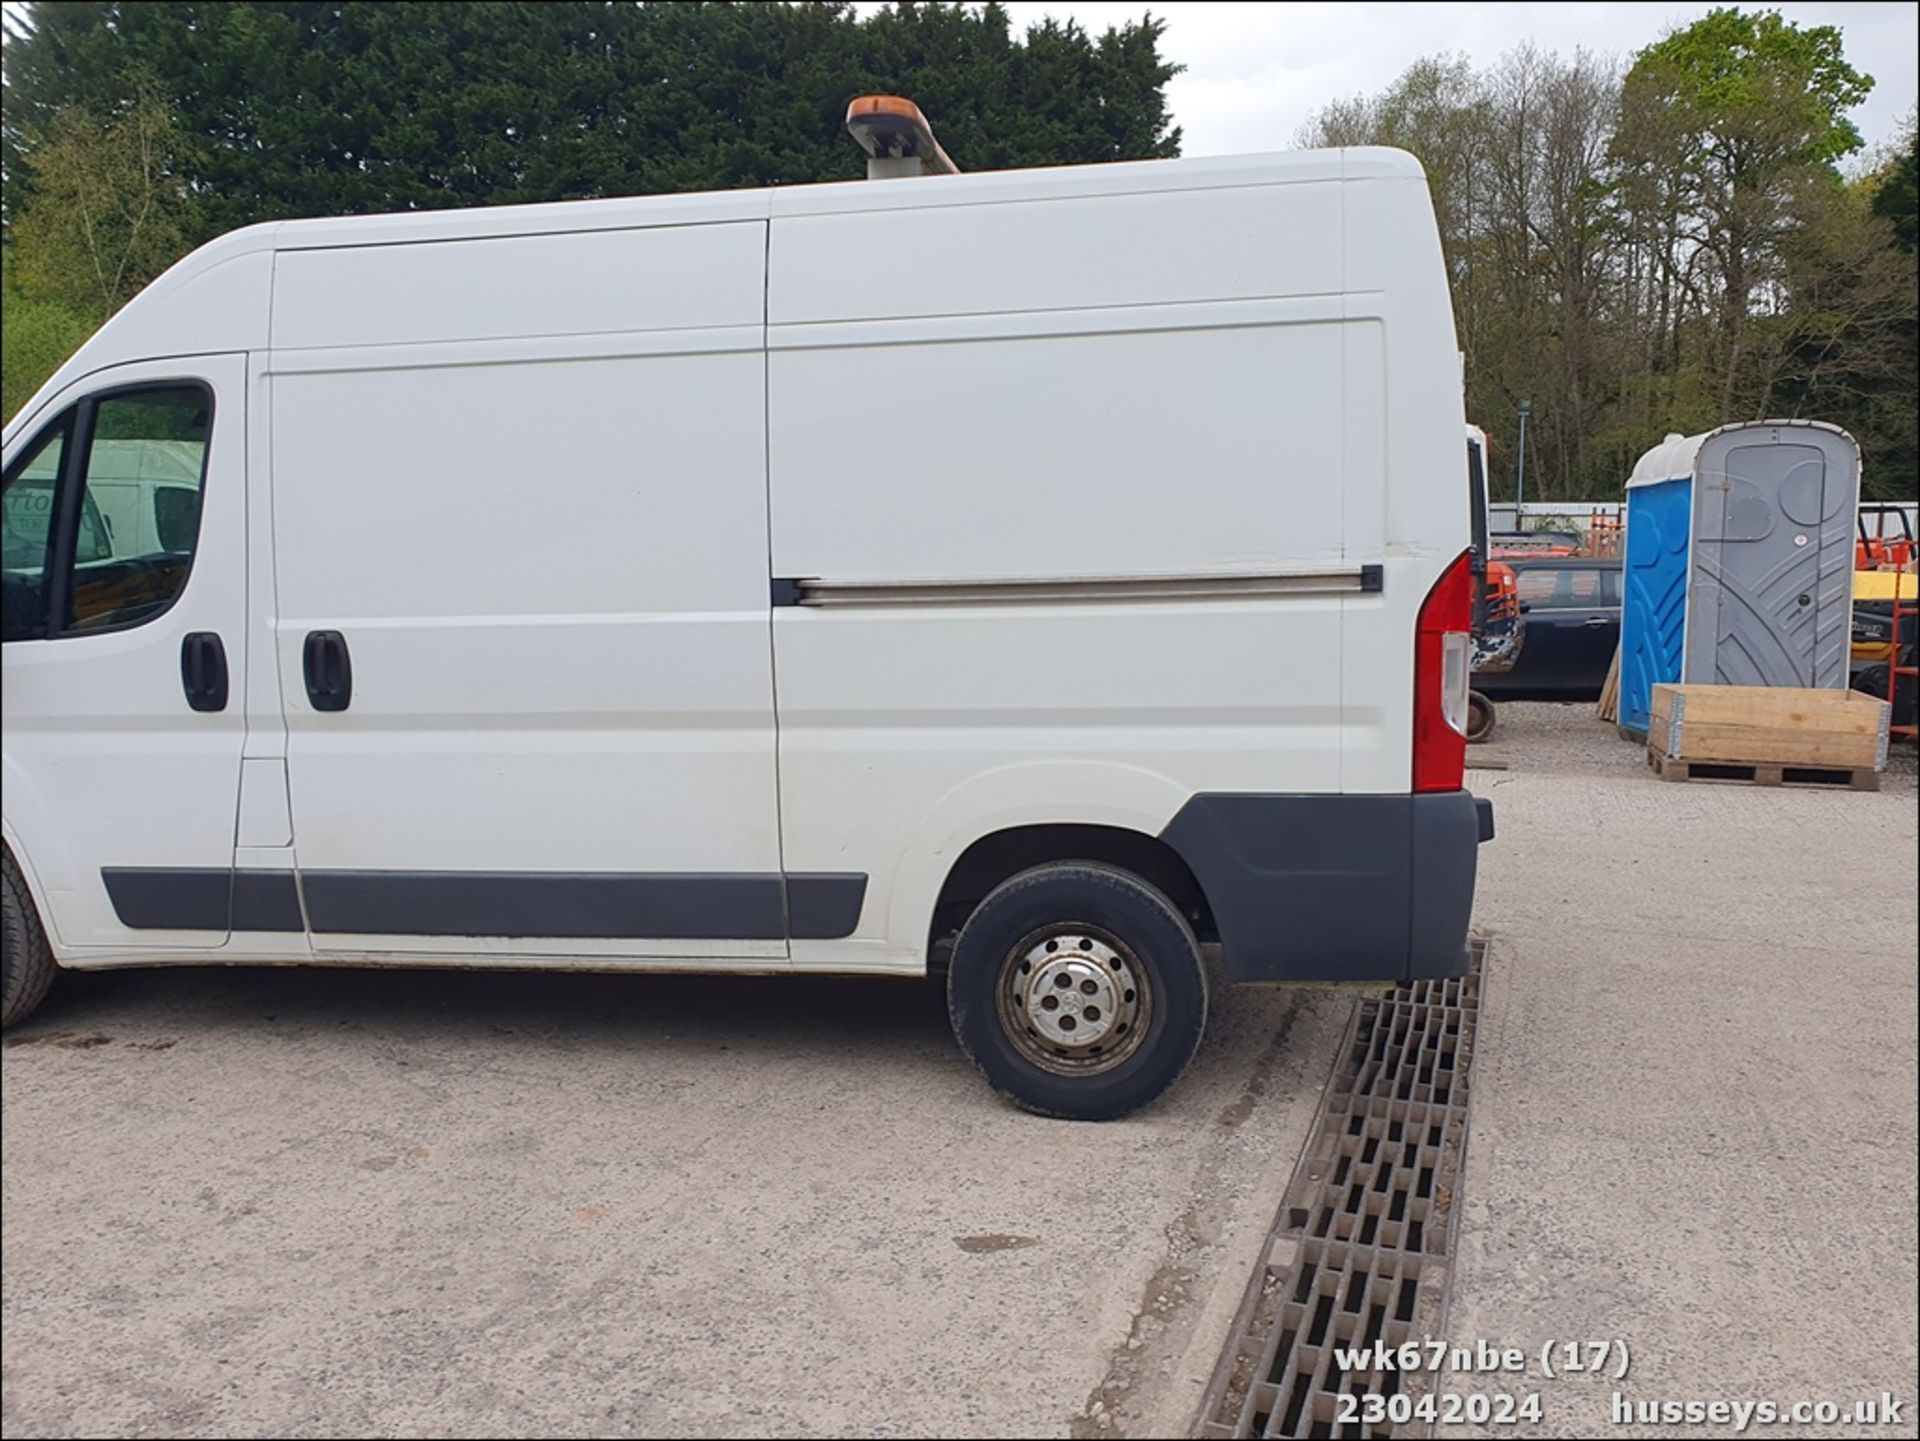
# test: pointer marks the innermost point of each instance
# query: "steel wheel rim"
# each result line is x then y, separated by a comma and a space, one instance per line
1073, 999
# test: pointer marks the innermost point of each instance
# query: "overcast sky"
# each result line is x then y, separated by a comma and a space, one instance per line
1256, 72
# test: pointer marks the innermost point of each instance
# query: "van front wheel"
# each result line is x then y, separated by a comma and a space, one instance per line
26, 962
1078, 990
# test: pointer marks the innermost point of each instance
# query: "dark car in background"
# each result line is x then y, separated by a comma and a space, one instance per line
1572, 609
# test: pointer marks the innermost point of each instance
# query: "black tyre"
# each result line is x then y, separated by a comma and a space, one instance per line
26, 962
1481, 716
1078, 990
1875, 679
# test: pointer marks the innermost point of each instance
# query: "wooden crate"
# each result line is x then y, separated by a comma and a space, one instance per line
1744, 725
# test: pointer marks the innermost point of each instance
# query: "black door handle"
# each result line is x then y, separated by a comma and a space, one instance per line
329, 670
203, 670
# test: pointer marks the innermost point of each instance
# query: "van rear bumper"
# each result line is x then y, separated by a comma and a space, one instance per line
1336, 888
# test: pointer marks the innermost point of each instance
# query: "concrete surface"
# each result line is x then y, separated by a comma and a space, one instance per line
374, 1202
1694, 1093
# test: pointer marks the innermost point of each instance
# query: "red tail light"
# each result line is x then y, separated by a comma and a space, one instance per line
1442, 652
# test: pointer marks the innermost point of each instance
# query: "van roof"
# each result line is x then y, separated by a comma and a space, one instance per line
849, 197
215, 299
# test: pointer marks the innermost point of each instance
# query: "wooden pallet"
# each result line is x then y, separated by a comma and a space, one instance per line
1754, 725
1823, 777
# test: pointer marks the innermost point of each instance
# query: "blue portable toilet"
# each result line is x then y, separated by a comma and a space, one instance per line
1738, 562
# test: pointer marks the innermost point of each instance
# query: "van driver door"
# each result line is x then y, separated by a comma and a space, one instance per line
124, 653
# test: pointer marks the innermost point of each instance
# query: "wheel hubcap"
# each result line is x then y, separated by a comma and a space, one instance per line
1073, 1001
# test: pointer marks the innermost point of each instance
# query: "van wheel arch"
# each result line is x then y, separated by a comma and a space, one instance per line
1000, 855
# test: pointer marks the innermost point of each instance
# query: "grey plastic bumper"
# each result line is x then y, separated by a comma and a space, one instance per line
1336, 888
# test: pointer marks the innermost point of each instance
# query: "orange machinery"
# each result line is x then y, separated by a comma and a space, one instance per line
1902, 674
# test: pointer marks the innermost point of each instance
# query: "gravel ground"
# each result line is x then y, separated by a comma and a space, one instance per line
1565, 739
1694, 1098
325, 1202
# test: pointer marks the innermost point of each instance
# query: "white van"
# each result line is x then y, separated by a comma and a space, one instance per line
1070, 560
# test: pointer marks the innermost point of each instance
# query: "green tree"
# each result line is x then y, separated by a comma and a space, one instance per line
335, 109
1886, 377
1896, 200
1745, 112
109, 208
1589, 269
1839, 343
38, 335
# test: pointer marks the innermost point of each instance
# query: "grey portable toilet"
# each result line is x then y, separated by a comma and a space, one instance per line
1739, 561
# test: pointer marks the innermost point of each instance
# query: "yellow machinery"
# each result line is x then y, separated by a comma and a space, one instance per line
1882, 569
1873, 593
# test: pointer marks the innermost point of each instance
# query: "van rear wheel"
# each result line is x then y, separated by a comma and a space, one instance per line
1078, 990
26, 961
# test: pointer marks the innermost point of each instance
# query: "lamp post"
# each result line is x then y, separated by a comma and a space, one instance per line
1523, 410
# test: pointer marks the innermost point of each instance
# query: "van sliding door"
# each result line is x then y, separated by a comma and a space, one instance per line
523, 635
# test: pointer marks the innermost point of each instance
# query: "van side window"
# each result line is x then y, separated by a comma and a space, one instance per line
146, 463
26, 532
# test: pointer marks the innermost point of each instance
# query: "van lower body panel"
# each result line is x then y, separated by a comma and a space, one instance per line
1335, 887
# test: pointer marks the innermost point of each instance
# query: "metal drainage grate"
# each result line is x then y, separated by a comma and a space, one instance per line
1361, 1248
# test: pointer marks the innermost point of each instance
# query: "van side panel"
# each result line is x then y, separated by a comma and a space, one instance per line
598, 282
1054, 253
1406, 465
1159, 394
1129, 448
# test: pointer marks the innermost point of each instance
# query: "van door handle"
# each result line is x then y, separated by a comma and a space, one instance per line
329, 670
203, 670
